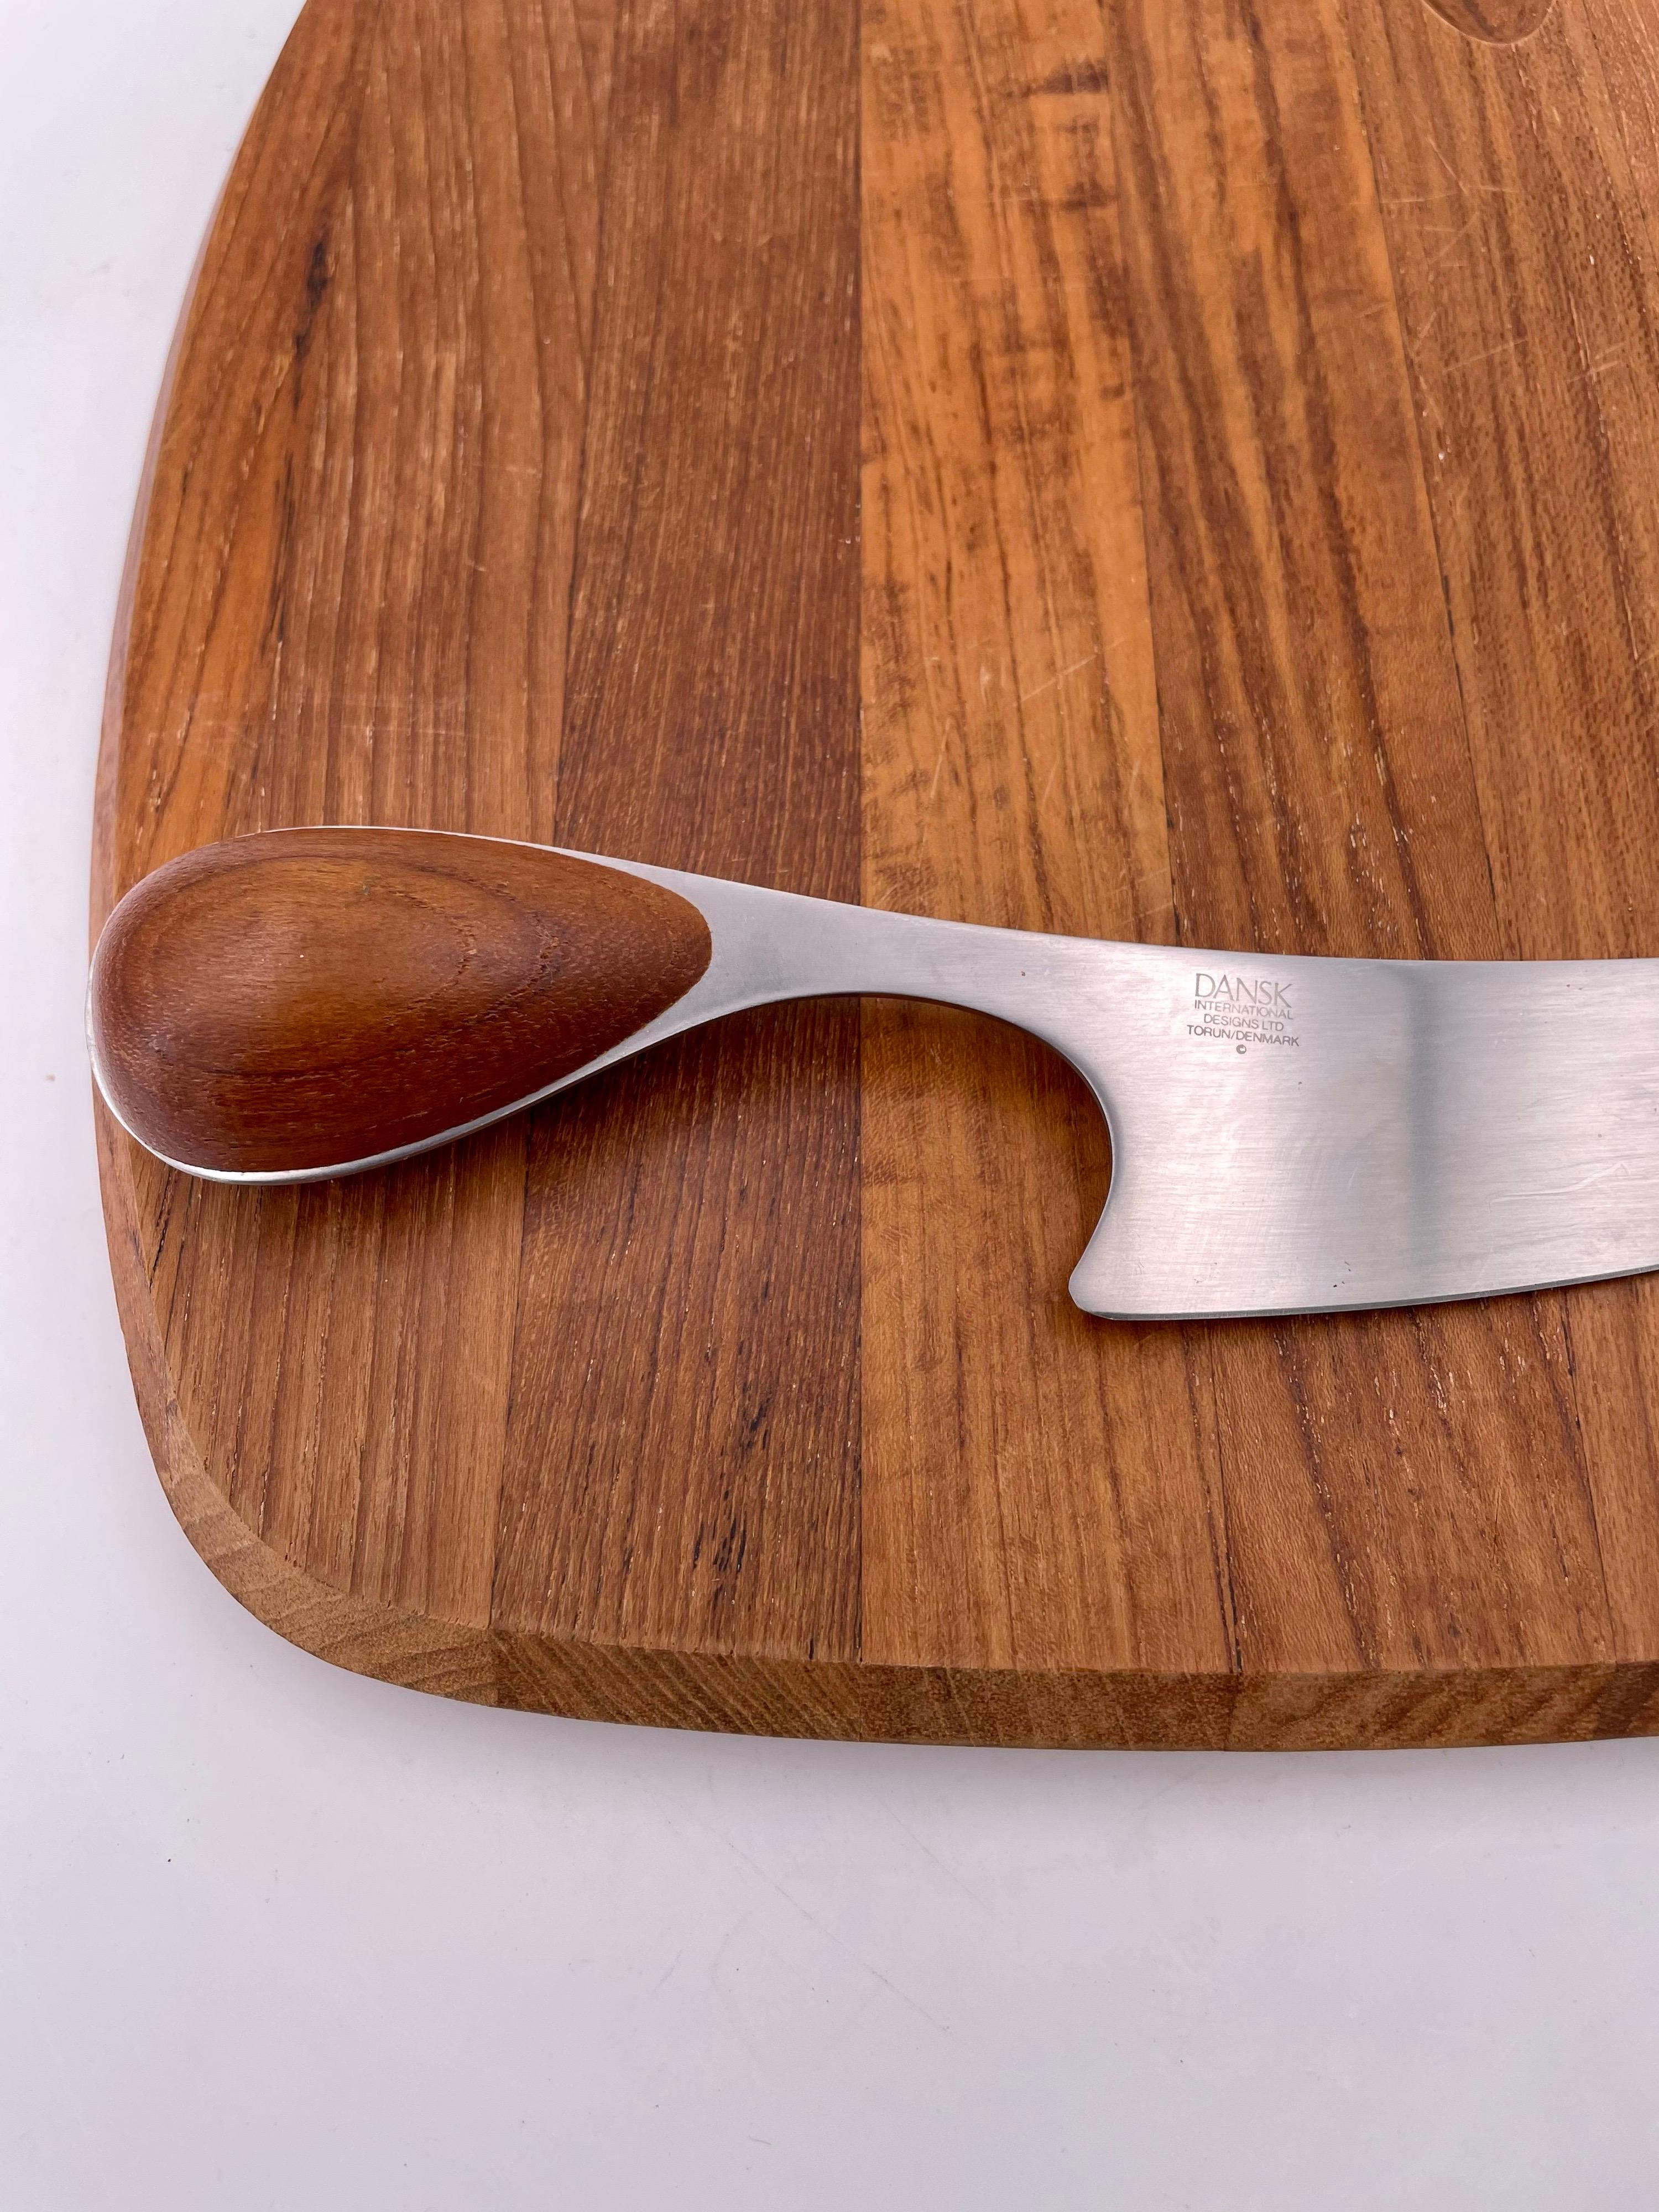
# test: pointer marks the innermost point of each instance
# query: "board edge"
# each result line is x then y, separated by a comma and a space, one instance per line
845, 1700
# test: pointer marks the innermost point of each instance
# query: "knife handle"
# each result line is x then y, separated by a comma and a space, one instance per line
305, 999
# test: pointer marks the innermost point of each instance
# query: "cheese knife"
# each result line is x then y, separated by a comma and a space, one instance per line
1290, 1134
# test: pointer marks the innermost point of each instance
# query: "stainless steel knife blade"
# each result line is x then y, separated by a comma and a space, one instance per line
1291, 1134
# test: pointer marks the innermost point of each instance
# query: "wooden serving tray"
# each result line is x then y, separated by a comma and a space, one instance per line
1163, 468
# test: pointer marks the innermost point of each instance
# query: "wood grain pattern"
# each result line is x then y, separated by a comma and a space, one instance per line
1010, 700
700, 1487
1283, 474
1172, 470
309, 998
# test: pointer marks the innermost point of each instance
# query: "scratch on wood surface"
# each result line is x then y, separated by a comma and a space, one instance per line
1037, 690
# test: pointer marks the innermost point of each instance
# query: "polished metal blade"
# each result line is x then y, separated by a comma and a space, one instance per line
1289, 1134
1300, 1135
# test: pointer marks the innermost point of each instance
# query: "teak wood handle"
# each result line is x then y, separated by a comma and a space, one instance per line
302, 998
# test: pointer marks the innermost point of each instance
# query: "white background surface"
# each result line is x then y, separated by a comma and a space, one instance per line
273, 1936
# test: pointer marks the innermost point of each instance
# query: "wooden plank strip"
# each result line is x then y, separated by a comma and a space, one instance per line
1516, 186
352, 606
1528, 282
1322, 800
199, 643
1320, 792
683, 1455
1034, 1491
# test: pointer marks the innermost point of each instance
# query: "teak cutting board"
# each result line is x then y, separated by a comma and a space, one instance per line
1170, 469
